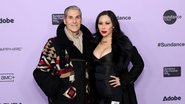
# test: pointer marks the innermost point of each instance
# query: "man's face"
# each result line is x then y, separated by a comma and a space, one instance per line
73, 21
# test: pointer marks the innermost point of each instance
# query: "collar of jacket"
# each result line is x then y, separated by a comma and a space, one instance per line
62, 38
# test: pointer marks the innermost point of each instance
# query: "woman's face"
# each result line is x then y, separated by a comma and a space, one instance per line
105, 26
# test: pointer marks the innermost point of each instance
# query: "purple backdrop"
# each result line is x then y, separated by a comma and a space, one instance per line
156, 28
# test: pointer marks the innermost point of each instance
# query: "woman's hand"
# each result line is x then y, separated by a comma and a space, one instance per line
115, 81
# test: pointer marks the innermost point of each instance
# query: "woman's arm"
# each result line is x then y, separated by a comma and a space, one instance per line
137, 66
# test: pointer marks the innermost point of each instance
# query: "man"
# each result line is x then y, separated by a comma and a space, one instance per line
61, 71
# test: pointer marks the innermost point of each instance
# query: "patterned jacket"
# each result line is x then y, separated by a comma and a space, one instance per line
61, 72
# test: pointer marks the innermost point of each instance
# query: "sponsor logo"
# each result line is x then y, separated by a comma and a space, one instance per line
171, 98
10, 103
7, 77
170, 17
172, 71
11, 49
57, 18
6, 20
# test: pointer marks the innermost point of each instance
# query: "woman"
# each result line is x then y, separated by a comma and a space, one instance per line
111, 80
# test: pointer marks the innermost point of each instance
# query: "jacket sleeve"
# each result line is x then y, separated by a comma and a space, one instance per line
49, 83
136, 67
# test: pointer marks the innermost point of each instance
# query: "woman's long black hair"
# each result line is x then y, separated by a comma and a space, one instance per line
117, 32
123, 44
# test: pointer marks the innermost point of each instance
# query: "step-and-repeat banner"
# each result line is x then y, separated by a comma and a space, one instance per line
155, 27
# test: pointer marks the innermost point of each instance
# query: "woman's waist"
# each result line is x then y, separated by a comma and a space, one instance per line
103, 76
106, 90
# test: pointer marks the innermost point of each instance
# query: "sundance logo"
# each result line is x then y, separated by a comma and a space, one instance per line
6, 20
170, 17
124, 17
171, 98
172, 71
7, 77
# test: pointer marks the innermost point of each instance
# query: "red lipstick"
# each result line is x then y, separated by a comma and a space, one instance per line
104, 32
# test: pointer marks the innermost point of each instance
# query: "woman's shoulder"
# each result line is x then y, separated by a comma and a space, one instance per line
123, 41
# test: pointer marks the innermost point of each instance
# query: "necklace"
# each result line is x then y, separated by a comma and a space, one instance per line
105, 41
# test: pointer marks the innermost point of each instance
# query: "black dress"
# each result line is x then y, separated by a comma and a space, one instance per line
103, 70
